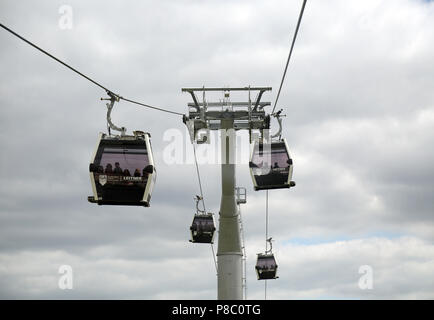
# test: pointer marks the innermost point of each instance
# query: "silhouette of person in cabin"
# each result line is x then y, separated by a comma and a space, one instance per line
108, 168
118, 169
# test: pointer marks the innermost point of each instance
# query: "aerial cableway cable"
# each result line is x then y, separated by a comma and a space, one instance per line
203, 201
268, 240
151, 107
290, 53
110, 92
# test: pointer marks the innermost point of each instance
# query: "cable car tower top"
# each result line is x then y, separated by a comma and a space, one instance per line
246, 115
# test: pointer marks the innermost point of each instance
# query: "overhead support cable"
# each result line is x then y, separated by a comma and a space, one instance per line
203, 201
290, 53
266, 237
53, 57
109, 92
151, 107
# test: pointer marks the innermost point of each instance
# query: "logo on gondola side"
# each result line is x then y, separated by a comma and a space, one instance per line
102, 179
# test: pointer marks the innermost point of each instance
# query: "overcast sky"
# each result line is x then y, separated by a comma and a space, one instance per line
359, 100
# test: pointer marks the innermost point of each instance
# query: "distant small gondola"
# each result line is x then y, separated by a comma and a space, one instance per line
122, 170
271, 165
266, 266
202, 229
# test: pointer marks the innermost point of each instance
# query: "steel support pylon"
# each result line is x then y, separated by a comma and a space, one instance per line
229, 252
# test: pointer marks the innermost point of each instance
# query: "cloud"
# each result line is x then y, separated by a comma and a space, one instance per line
401, 267
359, 103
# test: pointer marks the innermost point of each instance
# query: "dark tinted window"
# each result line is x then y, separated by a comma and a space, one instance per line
128, 158
279, 156
268, 262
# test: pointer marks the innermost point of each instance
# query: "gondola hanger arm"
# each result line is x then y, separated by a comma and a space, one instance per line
113, 98
199, 199
278, 115
269, 240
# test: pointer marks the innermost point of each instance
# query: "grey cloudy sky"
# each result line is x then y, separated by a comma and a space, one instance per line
359, 101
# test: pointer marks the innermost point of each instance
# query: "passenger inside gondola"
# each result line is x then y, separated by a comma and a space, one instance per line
268, 263
137, 173
108, 168
118, 169
127, 162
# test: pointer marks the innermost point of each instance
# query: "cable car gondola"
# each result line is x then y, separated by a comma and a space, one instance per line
271, 165
266, 266
122, 169
203, 227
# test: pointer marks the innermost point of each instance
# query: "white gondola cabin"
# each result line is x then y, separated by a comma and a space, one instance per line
122, 170
271, 165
